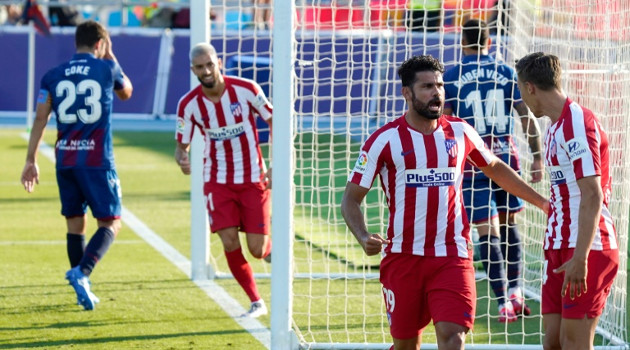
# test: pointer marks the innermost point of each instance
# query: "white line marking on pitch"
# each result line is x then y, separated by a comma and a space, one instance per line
60, 242
211, 288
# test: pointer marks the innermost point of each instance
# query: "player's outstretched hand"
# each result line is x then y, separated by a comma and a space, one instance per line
373, 244
30, 176
574, 277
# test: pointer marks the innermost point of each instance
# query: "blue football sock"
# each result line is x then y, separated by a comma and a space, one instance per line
492, 260
96, 249
75, 245
511, 240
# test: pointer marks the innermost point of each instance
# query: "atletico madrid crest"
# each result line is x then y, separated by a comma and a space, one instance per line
236, 108
451, 147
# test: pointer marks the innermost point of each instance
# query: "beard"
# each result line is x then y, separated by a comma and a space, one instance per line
206, 85
423, 108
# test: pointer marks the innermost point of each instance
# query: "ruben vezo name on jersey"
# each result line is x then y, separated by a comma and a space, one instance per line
556, 176
475, 74
430, 177
226, 132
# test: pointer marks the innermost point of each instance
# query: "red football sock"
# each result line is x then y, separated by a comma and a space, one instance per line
242, 272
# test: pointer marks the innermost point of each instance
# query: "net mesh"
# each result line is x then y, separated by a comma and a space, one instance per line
347, 53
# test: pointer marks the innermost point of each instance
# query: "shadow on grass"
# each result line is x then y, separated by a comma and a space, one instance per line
29, 199
170, 196
104, 340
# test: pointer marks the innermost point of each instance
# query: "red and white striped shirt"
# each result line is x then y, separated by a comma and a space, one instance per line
576, 146
421, 176
232, 153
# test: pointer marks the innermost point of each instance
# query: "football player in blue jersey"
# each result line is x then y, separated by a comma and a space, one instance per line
484, 92
80, 92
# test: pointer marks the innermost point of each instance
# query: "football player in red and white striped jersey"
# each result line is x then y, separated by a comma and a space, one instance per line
426, 272
236, 181
581, 253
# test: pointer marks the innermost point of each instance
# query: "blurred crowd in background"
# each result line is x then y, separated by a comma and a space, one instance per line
416, 15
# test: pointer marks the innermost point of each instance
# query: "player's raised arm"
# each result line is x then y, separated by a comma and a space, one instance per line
125, 90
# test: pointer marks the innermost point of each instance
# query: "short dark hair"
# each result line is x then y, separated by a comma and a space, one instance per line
89, 33
476, 33
541, 69
408, 69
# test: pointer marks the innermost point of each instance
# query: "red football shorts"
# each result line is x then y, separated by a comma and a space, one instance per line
417, 289
602, 269
246, 206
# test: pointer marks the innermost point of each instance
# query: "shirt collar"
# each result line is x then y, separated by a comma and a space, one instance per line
473, 58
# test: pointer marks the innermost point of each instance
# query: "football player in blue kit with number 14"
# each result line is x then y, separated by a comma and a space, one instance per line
80, 92
484, 92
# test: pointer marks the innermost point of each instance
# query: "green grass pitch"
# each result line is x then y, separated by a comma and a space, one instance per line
146, 302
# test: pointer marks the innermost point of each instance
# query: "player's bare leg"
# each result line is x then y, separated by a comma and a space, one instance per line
578, 334
259, 245
76, 224
551, 324
450, 336
407, 344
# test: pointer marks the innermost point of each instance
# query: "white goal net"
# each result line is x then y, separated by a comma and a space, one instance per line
346, 56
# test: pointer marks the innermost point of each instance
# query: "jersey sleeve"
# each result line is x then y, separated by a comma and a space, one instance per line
117, 74
260, 102
44, 88
583, 148
370, 161
478, 154
185, 127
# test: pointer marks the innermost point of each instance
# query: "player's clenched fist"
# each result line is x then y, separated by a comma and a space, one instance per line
373, 244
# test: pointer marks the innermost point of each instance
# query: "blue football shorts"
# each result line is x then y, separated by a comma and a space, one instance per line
97, 189
484, 200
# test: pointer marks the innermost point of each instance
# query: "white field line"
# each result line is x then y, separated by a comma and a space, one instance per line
60, 242
211, 288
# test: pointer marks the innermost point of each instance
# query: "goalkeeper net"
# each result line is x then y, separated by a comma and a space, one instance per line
346, 53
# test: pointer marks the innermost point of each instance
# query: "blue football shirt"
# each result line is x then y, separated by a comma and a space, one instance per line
483, 92
82, 93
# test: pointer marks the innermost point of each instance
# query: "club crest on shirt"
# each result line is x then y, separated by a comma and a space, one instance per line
361, 165
553, 148
577, 148
236, 109
451, 147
